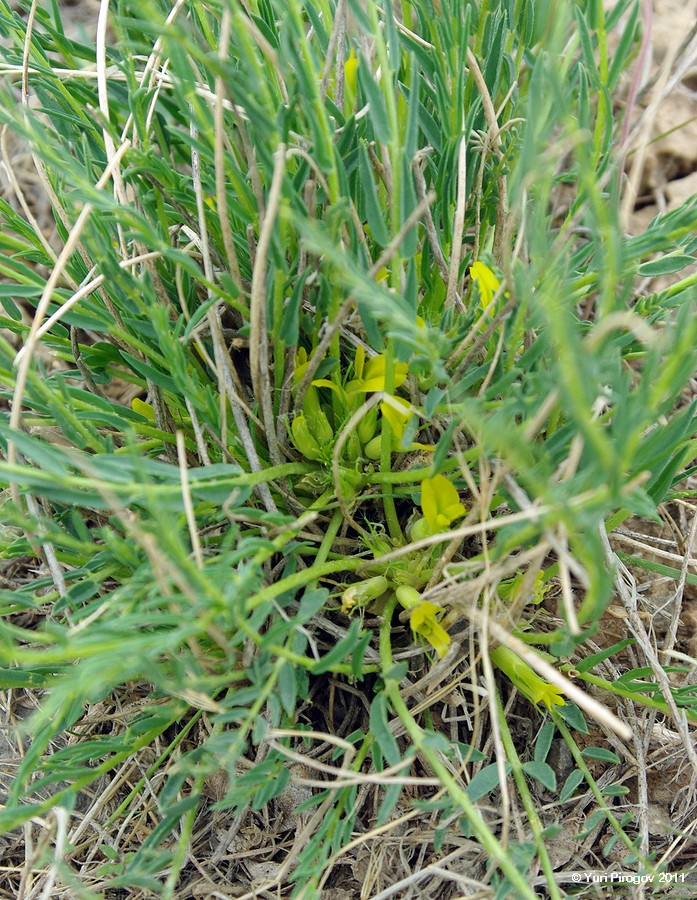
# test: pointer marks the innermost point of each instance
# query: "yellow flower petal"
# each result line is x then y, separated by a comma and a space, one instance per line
486, 281
424, 623
440, 503
526, 679
359, 362
375, 371
142, 408
370, 377
351, 72
325, 382
397, 419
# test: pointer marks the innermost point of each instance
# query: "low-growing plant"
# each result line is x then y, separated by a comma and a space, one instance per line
329, 382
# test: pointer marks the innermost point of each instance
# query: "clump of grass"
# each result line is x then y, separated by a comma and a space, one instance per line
321, 405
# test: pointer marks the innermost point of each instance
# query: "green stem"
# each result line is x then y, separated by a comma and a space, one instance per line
299, 579
279, 349
122, 807
620, 691
484, 835
603, 112
417, 475
328, 538
528, 802
597, 793
391, 518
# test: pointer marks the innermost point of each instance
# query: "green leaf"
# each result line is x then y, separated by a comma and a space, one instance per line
373, 210
587, 48
51, 459
621, 53
273, 787
390, 800
158, 377
485, 781
379, 727
414, 110
615, 790
601, 753
437, 742
287, 688
290, 323
20, 290
377, 111
541, 772
340, 651
570, 785
396, 672
658, 568
393, 41
310, 604
12, 817
11, 309
544, 741
592, 822
493, 41
469, 753
666, 265
590, 662
19, 678
197, 318
573, 716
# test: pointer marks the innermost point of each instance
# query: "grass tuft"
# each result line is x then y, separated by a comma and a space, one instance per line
331, 386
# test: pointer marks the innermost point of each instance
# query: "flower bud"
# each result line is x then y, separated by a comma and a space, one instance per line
353, 447
350, 482
304, 440
372, 448
419, 530
363, 593
367, 425
408, 596
321, 428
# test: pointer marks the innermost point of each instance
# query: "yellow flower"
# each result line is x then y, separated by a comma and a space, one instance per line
374, 375
350, 73
486, 281
440, 503
510, 588
350, 83
397, 419
424, 623
370, 374
528, 682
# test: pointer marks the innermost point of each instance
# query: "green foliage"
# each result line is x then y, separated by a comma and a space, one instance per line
344, 275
